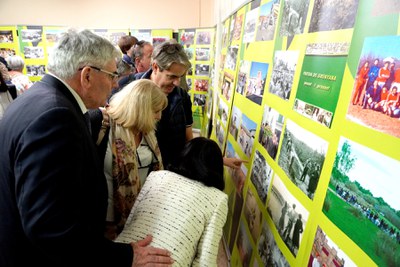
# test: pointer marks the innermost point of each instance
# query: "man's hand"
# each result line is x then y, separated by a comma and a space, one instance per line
145, 255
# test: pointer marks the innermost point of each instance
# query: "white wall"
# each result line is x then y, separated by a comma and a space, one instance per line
110, 14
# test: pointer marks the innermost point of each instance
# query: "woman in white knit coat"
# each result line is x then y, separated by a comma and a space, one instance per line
184, 208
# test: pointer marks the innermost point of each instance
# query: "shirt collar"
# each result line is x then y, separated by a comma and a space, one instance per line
75, 94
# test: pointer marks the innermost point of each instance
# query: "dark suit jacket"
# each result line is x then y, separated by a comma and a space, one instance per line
53, 193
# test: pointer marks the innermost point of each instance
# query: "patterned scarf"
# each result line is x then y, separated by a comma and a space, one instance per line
126, 182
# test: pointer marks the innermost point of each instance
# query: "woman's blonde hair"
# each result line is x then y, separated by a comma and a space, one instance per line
134, 105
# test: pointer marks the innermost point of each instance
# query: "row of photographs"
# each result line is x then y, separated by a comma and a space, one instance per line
320, 82
270, 215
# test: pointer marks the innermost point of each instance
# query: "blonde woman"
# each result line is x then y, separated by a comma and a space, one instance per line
131, 147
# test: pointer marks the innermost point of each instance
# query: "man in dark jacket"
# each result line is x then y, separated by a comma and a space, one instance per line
53, 193
169, 65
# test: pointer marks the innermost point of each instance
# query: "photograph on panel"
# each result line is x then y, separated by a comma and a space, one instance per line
201, 85
202, 54
33, 52
238, 176
267, 21
234, 124
332, 15
236, 32
226, 86
231, 56
363, 200
256, 82
203, 38
209, 103
249, 30
199, 100
220, 133
52, 35
31, 35
7, 52
222, 58
237, 210
321, 80
235, 204
261, 174
243, 74
144, 35
190, 71
114, 36
375, 100
189, 82
35, 70
187, 37
287, 213
198, 111
282, 75
189, 52
202, 70
247, 132
270, 254
271, 130
223, 112
253, 215
302, 156
225, 34
294, 15
326, 253
156, 40
6, 36
243, 244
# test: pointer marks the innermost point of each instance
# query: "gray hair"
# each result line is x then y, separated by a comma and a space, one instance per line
169, 52
15, 63
138, 48
123, 67
76, 49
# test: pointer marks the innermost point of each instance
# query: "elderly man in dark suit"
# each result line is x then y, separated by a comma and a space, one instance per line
53, 193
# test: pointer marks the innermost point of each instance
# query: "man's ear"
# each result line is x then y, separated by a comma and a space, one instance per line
155, 67
85, 76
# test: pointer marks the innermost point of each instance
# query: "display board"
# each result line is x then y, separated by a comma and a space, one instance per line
199, 46
33, 43
322, 143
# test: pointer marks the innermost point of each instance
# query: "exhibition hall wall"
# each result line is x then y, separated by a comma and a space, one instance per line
288, 87
296, 99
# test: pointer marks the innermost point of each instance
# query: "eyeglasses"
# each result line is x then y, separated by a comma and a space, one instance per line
113, 75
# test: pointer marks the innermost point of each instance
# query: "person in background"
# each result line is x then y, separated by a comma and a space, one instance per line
184, 207
3, 56
124, 70
372, 95
20, 80
359, 89
373, 73
5, 96
169, 65
383, 74
131, 147
125, 43
142, 55
53, 192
